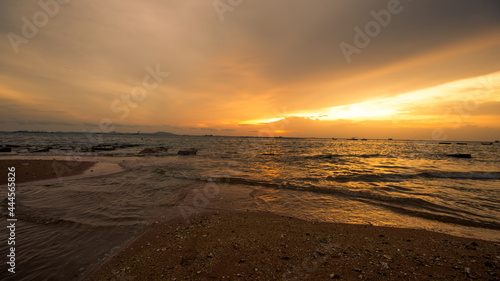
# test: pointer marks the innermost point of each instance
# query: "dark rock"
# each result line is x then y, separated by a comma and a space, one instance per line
103, 147
190, 151
147, 151
39, 150
150, 150
459, 155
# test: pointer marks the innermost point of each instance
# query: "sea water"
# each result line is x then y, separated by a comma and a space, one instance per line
67, 227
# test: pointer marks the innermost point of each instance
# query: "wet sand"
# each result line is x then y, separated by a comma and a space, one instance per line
34, 170
262, 246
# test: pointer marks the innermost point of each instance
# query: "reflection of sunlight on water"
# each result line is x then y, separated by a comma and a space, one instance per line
312, 206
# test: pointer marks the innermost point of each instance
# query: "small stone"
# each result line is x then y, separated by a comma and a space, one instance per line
467, 270
384, 265
358, 270
334, 276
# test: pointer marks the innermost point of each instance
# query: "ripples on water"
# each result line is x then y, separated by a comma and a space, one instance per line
69, 225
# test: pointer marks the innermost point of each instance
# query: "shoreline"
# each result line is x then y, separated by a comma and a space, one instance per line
33, 170
45, 170
263, 246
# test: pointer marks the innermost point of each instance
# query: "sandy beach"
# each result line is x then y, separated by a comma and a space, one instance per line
34, 170
261, 246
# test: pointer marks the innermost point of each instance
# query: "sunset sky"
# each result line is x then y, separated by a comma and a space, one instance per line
240, 67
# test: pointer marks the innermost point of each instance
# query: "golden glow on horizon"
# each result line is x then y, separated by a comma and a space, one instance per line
466, 93
262, 121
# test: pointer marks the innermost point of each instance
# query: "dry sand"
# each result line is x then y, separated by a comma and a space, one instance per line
261, 246
33, 170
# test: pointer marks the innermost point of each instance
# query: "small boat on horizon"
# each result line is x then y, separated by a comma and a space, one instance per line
487, 143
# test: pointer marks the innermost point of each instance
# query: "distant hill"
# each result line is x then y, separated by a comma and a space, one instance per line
164, 133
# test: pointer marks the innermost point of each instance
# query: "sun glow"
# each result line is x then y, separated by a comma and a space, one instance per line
466, 94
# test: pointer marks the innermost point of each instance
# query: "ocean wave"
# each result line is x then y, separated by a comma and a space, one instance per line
451, 218
477, 175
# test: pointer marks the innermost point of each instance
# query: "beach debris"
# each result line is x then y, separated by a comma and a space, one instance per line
384, 265
126, 145
460, 155
150, 150
37, 150
189, 151
12, 145
103, 147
